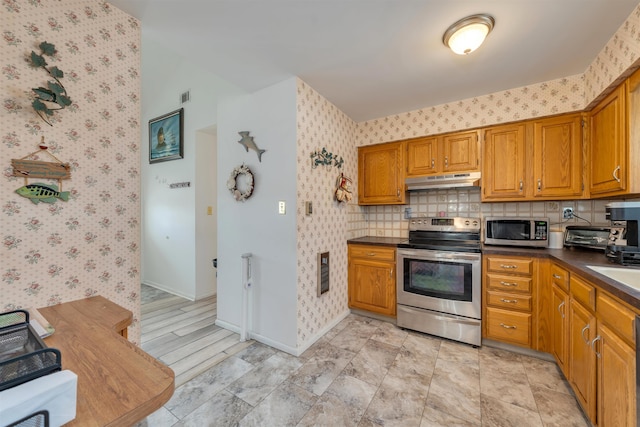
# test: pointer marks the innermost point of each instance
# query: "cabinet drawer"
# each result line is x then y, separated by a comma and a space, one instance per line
509, 283
617, 316
583, 292
522, 266
560, 277
509, 326
372, 252
509, 301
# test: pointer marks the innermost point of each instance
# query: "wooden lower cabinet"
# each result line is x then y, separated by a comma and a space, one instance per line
508, 299
560, 328
372, 283
616, 380
582, 359
591, 334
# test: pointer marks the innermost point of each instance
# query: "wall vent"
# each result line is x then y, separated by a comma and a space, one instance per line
185, 97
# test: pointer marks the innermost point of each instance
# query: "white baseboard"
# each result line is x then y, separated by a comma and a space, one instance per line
169, 290
280, 346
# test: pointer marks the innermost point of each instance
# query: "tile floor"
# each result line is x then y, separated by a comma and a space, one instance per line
366, 372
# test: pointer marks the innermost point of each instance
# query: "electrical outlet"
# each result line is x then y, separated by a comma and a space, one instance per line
567, 213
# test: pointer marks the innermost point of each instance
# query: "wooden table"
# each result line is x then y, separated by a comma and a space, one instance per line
118, 383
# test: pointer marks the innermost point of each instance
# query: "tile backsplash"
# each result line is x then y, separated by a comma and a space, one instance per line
389, 221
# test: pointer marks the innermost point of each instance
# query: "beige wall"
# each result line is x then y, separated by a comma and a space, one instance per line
89, 245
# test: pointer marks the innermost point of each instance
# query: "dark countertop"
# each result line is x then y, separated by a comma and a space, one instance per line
574, 260
379, 241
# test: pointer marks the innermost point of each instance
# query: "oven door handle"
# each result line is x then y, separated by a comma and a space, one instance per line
428, 255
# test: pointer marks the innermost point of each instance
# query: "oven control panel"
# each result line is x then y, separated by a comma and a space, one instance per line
445, 224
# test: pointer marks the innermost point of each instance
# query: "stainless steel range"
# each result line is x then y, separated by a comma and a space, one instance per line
439, 278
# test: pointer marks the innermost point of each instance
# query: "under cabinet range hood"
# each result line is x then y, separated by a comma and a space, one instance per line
443, 181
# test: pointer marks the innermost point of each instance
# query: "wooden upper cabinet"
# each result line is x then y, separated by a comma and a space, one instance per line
608, 168
422, 156
381, 174
557, 157
460, 152
503, 163
449, 153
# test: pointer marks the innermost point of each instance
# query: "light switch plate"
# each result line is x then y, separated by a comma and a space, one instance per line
282, 207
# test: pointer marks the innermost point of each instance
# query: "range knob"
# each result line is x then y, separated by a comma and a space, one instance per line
466, 222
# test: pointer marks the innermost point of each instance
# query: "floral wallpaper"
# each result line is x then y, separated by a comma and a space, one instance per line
90, 244
322, 125
539, 100
615, 62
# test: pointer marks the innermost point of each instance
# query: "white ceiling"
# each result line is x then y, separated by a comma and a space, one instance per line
374, 58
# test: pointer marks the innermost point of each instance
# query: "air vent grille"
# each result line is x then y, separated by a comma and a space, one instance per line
185, 97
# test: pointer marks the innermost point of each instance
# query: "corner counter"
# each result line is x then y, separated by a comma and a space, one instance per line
118, 383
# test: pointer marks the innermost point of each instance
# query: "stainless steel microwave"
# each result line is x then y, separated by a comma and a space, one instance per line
528, 232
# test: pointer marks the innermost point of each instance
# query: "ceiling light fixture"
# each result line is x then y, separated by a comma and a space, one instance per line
467, 34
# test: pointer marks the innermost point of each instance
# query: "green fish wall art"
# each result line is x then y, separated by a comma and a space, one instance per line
40, 192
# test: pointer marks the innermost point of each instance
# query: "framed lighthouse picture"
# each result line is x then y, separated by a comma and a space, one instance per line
166, 140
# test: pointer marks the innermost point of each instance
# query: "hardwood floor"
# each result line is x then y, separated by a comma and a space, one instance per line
183, 334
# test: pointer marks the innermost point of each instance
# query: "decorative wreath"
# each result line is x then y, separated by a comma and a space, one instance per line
232, 183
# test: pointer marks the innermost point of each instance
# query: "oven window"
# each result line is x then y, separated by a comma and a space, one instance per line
440, 279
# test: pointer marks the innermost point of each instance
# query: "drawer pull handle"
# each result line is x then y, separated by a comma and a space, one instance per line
508, 326
555, 276
586, 340
521, 185
446, 162
593, 345
539, 185
508, 266
433, 163
371, 254
510, 301
561, 309
508, 284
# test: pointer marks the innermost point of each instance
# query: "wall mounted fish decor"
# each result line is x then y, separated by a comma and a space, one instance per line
248, 142
27, 168
40, 192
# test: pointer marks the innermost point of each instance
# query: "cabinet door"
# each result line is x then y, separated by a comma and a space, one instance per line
503, 163
616, 380
607, 155
460, 152
557, 157
372, 286
559, 327
422, 156
380, 174
582, 358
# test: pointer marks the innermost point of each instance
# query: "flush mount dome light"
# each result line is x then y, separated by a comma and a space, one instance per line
467, 34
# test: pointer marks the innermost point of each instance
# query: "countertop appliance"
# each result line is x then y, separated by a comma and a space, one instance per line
439, 278
624, 239
513, 231
587, 237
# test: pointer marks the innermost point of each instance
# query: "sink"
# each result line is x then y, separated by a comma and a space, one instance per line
626, 276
